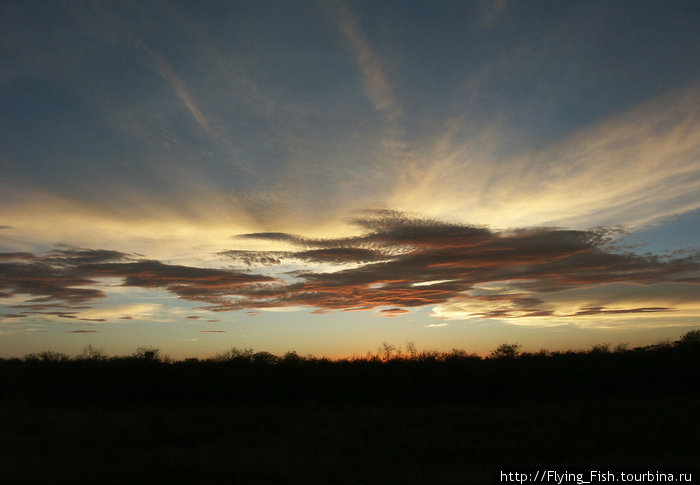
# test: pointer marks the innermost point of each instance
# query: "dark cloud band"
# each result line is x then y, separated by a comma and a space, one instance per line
397, 263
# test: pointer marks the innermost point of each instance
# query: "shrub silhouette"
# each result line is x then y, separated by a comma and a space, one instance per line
234, 354
148, 354
454, 376
506, 351
411, 349
600, 349
621, 348
292, 357
254, 407
91, 353
264, 358
691, 338
47, 356
387, 351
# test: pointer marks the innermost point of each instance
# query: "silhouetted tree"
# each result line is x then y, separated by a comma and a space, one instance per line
264, 358
690, 339
234, 354
411, 349
150, 354
47, 356
292, 357
506, 351
91, 353
386, 351
621, 348
600, 349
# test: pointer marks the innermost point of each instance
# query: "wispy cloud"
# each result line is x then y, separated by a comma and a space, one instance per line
132, 311
178, 86
633, 167
376, 83
619, 305
492, 9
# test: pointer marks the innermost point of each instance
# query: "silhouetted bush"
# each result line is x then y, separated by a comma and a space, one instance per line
91, 353
265, 358
387, 417
505, 351
47, 356
234, 354
690, 340
600, 349
149, 354
243, 375
623, 347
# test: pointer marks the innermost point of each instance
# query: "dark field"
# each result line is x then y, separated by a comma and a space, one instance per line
426, 418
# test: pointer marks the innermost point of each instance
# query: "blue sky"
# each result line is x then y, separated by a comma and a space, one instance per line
293, 173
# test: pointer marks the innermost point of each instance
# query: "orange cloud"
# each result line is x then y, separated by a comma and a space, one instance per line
397, 263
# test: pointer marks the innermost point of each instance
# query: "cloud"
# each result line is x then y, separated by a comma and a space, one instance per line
190, 283
52, 279
393, 312
193, 70
67, 279
340, 255
632, 167
397, 262
386, 230
120, 312
3, 316
605, 305
426, 262
165, 227
491, 10
603, 310
178, 86
337, 255
376, 83
250, 258
16, 256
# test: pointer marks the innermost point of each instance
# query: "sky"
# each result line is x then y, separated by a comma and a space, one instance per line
326, 176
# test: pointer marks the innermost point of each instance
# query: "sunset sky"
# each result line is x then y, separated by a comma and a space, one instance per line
325, 176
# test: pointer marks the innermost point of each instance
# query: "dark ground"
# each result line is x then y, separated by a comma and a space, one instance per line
357, 444
441, 421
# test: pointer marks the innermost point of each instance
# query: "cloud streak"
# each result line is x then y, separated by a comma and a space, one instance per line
174, 80
634, 167
376, 83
